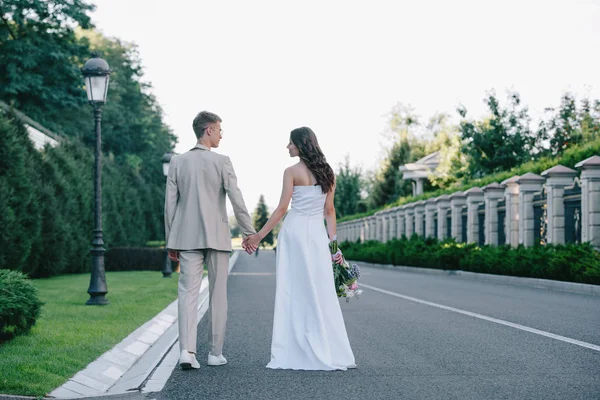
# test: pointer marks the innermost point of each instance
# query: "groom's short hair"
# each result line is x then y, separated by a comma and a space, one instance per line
203, 120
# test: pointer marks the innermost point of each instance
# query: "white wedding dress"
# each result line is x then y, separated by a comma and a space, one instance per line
308, 327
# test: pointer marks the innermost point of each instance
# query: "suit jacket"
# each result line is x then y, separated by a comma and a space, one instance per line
195, 210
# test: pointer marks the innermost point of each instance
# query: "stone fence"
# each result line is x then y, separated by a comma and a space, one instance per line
554, 207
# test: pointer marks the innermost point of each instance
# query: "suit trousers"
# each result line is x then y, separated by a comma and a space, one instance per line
191, 266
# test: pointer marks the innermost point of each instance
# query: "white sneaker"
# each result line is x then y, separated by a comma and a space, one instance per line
188, 360
216, 360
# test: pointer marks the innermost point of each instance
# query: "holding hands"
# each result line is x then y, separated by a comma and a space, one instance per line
251, 242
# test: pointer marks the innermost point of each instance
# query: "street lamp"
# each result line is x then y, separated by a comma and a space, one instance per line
167, 269
96, 75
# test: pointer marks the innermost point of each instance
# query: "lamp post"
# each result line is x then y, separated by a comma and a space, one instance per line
96, 76
167, 269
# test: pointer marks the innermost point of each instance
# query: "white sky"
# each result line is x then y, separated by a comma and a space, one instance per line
339, 67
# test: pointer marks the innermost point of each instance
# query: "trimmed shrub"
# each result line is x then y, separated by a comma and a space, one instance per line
19, 304
571, 262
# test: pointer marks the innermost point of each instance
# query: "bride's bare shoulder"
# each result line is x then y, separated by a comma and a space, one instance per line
294, 169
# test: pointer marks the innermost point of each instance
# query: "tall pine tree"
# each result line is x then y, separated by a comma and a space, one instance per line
260, 218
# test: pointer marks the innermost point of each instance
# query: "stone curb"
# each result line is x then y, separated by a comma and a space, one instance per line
128, 365
572, 287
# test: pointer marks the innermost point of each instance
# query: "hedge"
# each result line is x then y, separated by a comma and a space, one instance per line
136, 259
571, 262
46, 204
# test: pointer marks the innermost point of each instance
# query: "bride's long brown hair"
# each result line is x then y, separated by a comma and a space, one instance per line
310, 152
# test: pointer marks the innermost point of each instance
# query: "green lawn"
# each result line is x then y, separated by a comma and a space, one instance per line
69, 335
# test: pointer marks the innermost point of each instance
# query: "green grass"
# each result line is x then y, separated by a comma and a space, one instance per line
69, 335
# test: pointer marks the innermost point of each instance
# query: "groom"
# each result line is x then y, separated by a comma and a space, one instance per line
197, 232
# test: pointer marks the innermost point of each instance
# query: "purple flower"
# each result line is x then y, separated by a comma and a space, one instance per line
355, 271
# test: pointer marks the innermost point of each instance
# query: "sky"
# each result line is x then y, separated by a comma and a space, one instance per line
338, 67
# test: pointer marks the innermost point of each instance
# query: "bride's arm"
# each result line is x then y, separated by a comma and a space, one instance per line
284, 201
329, 214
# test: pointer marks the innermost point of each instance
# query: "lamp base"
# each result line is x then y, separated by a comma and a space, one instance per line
97, 300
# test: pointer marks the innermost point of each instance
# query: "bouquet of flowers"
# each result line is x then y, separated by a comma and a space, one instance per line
345, 277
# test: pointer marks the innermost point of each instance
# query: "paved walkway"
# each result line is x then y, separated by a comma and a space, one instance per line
414, 335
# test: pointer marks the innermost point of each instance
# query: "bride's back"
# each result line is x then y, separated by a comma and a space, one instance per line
302, 175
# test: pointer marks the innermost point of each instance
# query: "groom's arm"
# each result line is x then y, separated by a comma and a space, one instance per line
171, 197
236, 198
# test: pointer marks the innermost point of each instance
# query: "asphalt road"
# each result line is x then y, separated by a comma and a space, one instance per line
419, 346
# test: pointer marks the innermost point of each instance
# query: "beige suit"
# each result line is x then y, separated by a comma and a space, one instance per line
196, 225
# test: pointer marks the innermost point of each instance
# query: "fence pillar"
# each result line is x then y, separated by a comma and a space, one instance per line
363, 230
457, 201
443, 204
419, 218
409, 219
590, 200
529, 184
491, 194
392, 224
474, 198
379, 226
430, 209
511, 198
400, 222
557, 178
373, 227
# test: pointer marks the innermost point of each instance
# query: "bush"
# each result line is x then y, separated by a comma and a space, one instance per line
19, 304
571, 262
136, 259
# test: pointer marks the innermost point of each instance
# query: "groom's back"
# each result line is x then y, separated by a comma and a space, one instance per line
200, 219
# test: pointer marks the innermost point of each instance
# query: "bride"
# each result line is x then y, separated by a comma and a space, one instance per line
308, 327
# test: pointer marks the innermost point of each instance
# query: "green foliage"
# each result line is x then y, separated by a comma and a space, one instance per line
347, 189
571, 262
569, 158
452, 163
260, 218
43, 45
568, 126
40, 57
387, 183
46, 207
19, 304
500, 142
132, 127
20, 212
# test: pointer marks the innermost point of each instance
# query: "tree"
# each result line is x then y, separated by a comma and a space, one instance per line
567, 126
388, 184
43, 45
499, 142
260, 218
446, 140
348, 189
40, 57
